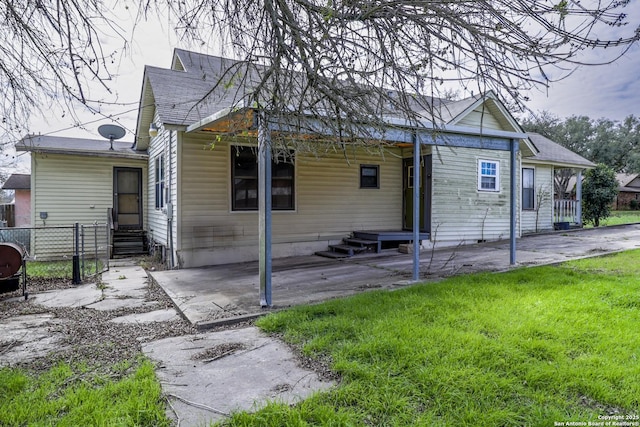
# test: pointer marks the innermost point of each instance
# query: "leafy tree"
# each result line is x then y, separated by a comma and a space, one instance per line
574, 133
599, 190
615, 144
357, 61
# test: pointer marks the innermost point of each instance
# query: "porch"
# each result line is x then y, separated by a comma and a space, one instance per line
210, 296
567, 213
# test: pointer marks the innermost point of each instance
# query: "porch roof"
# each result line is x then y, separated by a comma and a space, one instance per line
555, 154
78, 147
18, 181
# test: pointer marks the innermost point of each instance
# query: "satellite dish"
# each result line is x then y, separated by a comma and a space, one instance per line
111, 132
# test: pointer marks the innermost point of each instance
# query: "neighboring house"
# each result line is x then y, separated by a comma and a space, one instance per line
202, 185
629, 190
21, 184
84, 181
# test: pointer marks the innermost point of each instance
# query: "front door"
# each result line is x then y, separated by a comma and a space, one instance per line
127, 197
425, 194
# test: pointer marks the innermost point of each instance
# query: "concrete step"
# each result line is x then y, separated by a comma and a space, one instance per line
330, 254
346, 249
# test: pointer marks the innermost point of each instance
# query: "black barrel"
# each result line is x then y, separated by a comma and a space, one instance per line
11, 256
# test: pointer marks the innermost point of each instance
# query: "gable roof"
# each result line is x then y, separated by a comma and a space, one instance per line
195, 86
78, 147
18, 181
199, 89
552, 153
629, 182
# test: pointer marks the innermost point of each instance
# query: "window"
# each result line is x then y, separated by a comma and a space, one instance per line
528, 188
369, 176
488, 175
159, 181
244, 180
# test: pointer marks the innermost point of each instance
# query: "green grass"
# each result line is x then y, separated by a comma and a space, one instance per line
528, 347
65, 396
621, 217
59, 269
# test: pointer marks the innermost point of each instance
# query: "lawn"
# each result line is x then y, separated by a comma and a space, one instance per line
538, 347
60, 269
621, 217
75, 396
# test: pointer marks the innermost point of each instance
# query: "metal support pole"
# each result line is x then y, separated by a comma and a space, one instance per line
579, 197
82, 252
264, 210
95, 246
108, 240
514, 200
76, 256
416, 208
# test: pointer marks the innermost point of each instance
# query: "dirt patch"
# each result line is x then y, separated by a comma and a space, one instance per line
86, 335
218, 352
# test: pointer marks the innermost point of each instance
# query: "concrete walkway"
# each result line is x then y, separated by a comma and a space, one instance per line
210, 296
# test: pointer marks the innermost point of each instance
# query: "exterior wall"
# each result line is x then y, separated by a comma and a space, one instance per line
157, 218
479, 118
540, 218
622, 201
329, 204
461, 213
23, 208
71, 188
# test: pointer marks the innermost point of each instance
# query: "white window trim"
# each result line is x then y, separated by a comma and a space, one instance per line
160, 181
497, 176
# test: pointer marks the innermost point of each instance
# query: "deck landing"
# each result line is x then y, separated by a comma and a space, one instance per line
370, 241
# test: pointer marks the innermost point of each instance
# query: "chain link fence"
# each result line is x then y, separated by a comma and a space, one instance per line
90, 243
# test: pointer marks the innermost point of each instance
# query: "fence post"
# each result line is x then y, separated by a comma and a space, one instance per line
76, 257
82, 269
95, 245
108, 239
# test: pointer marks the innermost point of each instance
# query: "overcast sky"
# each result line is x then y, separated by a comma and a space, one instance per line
610, 91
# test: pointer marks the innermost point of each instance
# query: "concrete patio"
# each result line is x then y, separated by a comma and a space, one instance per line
210, 296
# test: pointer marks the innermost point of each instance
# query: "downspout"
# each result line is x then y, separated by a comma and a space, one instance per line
170, 204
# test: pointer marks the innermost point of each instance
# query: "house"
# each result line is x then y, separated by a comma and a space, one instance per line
190, 181
86, 181
202, 184
629, 191
21, 184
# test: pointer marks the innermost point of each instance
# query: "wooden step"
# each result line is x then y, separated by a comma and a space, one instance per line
363, 244
129, 242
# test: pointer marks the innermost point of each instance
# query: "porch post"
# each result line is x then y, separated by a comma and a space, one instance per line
264, 210
579, 197
514, 201
416, 207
